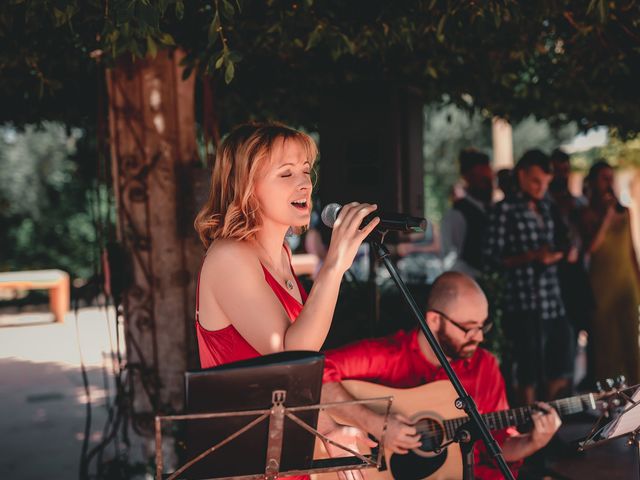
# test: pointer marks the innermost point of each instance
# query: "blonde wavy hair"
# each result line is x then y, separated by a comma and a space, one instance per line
232, 209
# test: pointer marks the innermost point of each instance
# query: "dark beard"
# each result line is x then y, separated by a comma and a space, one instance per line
449, 348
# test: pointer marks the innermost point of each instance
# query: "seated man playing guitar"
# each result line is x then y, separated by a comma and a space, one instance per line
457, 314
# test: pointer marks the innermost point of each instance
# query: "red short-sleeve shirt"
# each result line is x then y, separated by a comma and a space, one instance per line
397, 362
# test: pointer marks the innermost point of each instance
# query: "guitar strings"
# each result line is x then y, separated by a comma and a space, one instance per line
437, 431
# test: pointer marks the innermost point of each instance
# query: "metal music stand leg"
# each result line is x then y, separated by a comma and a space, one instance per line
274, 444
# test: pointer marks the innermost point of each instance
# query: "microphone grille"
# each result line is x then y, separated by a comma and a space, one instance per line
330, 213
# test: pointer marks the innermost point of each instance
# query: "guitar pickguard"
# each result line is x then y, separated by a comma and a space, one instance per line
413, 467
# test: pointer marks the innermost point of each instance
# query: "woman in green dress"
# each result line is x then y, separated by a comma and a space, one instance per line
614, 276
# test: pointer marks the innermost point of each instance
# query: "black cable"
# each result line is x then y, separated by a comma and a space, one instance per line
84, 467
109, 403
114, 405
116, 418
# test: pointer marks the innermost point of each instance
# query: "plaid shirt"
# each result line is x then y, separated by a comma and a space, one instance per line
515, 229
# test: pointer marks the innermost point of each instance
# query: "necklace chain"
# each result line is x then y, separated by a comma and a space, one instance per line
287, 283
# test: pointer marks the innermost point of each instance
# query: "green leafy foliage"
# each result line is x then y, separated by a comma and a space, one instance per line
619, 151
563, 61
493, 285
48, 200
447, 130
532, 133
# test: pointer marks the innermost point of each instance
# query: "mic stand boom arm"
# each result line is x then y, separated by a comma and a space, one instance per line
476, 426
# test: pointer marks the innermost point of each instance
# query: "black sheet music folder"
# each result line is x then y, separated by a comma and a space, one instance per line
248, 385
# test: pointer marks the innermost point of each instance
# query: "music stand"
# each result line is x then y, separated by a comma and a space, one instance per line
626, 422
257, 419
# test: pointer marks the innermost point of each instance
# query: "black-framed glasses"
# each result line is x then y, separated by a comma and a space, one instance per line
469, 332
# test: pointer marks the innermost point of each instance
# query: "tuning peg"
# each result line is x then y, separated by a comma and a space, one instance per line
605, 385
621, 381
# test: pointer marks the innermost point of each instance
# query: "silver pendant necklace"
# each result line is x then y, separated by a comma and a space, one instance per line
287, 283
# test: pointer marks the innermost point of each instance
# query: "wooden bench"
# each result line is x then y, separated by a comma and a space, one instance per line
56, 281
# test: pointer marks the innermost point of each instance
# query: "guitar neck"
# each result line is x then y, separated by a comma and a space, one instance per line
519, 416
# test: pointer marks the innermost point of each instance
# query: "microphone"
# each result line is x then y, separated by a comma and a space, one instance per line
398, 222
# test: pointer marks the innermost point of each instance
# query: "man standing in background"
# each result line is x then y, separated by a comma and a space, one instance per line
521, 243
464, 225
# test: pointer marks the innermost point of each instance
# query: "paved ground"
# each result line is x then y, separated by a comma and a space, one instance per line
43, 401
42, 397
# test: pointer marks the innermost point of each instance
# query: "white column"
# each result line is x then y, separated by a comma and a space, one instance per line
502, 137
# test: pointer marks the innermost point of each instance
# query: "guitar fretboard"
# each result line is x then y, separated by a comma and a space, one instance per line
519, 416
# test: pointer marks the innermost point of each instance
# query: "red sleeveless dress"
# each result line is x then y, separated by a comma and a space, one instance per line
226, 345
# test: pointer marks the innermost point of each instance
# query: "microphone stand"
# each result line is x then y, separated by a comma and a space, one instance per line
468, 433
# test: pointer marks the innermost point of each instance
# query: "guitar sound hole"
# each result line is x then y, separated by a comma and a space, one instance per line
431, 434
421, 462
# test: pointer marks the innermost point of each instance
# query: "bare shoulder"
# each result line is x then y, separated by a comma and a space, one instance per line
229, 265
228, 246
227, 255
230, 269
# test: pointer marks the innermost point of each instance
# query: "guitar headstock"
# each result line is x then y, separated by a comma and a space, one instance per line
611, 392
611, 385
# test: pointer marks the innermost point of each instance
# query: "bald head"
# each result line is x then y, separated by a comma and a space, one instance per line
457, 310
451, 288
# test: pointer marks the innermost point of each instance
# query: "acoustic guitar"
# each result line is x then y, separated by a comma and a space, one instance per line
431, 409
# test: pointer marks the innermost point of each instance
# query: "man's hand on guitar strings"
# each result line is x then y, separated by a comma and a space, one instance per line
401, 436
